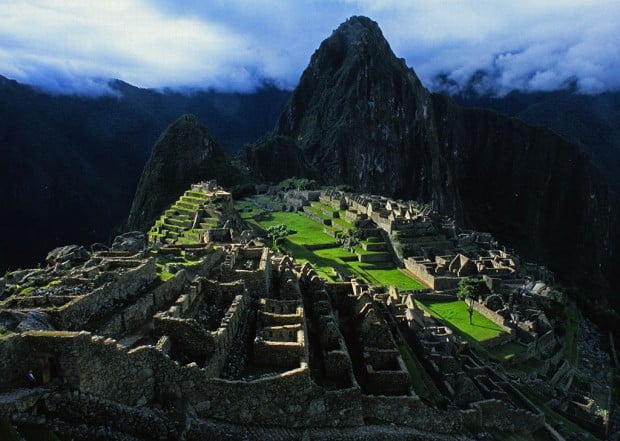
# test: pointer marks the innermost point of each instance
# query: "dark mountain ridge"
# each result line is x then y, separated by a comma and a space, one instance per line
361, 117
71, 163
591, 121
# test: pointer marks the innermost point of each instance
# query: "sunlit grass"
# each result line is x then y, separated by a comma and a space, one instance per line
308, 232
455, 314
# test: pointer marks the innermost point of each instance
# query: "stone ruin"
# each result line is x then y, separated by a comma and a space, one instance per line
243, 336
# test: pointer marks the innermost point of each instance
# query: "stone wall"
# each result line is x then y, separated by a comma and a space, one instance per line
374, 257
438, 283
497, 414
411, 411
81, 408
95, 366
309, 212
499, 340
79, 311
134, 315
15, 362
492, 315
337, 363
284, 355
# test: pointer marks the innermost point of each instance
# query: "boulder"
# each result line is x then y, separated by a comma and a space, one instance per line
97, 246
132, 241
9, 319
35, 321
69, 254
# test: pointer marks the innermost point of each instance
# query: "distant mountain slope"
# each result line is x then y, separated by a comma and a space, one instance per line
361, 117
70, 165
592, 121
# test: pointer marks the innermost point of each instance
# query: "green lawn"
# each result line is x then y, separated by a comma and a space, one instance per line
389, 277
456, 315
309, 232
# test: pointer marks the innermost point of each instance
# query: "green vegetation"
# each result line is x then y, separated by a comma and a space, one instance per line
175, 224
420, 381
329, 258
52, 283
388, 277
183, 260
455, 314
246, 208
297, 184
26, 291
277, 232
308, 232
470, 287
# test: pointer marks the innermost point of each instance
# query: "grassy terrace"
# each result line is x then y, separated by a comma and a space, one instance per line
456, 315
331, 256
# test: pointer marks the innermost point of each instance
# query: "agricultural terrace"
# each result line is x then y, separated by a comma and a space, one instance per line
309, 243
455, 314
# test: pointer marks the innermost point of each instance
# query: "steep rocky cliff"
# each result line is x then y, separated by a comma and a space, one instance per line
361, 117
183, 154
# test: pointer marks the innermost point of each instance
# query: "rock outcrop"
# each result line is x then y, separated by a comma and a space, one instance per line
183, 154
361, 117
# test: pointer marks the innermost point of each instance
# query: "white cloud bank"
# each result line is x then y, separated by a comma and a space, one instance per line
74, 46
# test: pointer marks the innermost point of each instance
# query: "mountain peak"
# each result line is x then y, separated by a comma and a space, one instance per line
357, 38
359, 30
183, 154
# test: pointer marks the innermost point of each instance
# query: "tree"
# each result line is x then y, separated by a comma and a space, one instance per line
469, 290
471, 287
276, 232
350, 240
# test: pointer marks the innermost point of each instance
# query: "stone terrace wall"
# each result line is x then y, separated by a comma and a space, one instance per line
76, 313
411, 411
81, 408
15, 361
134, 315
98, 366
101, 367
492, 315
499, 415
437, 283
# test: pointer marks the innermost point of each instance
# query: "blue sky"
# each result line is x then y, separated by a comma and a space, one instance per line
71, 46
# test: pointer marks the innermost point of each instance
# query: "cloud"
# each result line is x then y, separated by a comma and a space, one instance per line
72, 46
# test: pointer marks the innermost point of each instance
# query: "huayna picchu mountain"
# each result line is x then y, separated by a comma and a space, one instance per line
361, 117
183, 154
